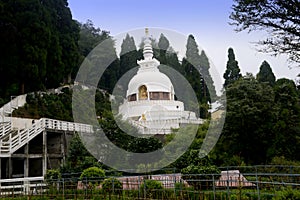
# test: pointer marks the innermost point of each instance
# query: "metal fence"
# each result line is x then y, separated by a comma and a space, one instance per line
255, 182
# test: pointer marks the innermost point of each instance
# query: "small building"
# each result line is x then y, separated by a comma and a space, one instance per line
233, 178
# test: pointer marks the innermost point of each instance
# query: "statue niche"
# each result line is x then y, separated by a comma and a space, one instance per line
143, 94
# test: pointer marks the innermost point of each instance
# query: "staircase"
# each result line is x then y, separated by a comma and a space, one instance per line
8, 108
5, 127
11, 139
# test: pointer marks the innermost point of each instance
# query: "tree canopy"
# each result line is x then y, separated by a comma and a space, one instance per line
260, 123
280, 19
38, 46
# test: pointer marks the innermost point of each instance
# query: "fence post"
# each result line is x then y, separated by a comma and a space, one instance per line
174, 182
257, 186
113, 186
139, 184
228, 192
144, 189
63, 182
214, 187
86, 187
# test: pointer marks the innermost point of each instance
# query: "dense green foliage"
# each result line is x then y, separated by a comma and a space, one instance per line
260, 122
78, 158
48, 105
39, 46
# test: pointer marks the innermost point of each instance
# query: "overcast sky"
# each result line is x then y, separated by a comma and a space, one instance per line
206, 20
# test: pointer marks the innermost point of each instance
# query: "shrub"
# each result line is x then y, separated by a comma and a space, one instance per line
199, 176
112, 184
287, 193
152, 185
52, 175
151, 188
94, 174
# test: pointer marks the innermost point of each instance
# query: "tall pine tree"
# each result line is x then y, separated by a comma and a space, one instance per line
232, 72
204, 69
128, 60
128, 55
163, 45
191, 64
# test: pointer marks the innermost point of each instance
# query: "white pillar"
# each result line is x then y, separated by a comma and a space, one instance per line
44, 152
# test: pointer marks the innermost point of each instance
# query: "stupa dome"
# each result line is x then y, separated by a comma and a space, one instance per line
155, 81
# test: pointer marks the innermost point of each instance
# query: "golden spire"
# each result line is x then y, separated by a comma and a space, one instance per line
147, 31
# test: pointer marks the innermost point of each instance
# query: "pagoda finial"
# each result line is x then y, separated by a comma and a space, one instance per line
147, 32
148, 52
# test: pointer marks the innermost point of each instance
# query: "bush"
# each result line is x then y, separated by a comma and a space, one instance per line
200, 177
287, 193
94, 174
112, 185
52, 175
152, 185
151, 188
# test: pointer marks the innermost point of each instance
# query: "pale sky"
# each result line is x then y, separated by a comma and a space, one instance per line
206, 20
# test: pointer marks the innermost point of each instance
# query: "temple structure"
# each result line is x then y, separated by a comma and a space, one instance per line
150, 101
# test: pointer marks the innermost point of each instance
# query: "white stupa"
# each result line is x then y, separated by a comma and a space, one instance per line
150, 103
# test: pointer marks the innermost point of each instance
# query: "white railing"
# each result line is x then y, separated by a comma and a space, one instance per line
67, 126
152, 127
153, 102
26, 186
14, 142
172, 121
154, 114
4, 128
15, 102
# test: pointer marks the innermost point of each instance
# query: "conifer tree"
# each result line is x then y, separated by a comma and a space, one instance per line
163, 45
204, 69
265, 74
128, 55
103, 56
200, 63
232, 72
192, 65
